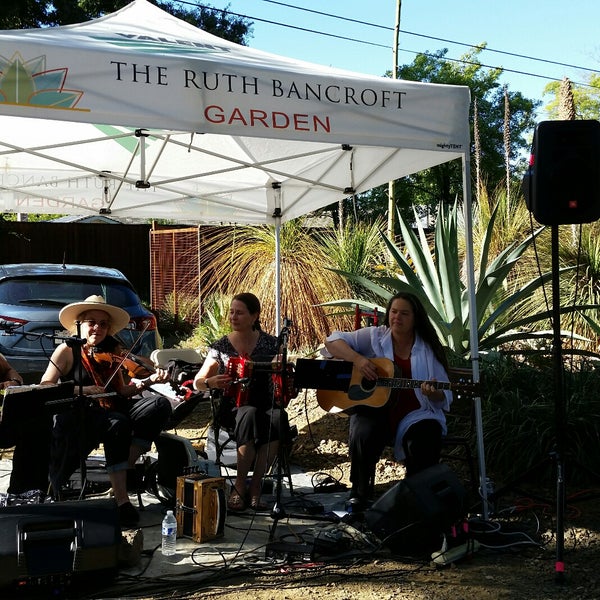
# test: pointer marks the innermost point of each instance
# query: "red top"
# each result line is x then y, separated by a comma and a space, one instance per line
402, 400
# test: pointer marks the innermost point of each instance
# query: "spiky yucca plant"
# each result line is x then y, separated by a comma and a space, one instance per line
579, 249
177, 317
244, 261
213, 325
435, 276
357, 248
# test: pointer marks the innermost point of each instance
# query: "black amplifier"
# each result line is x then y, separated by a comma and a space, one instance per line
58, 544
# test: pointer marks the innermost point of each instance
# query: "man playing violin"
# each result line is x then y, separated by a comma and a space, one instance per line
126, 424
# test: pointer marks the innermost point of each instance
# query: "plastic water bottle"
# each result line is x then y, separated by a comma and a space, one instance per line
169, 534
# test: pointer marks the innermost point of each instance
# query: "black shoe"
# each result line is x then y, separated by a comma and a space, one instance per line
128, 515
356, 504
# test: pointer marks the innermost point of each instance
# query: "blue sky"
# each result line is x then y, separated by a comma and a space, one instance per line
549, 30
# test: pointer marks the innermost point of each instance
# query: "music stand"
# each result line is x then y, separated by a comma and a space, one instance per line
76, 344
27, 414
20, 402
325, 374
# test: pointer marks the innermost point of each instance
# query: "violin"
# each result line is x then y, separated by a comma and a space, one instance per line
137, 368
134, 365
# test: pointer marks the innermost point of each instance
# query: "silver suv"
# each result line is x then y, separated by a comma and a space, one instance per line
31, 296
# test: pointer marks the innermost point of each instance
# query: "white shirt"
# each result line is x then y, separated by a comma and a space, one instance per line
376, 342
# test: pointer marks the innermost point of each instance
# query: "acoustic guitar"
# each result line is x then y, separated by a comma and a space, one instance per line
376, 393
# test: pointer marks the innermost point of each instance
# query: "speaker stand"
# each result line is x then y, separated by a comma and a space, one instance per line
557, 454
560, 413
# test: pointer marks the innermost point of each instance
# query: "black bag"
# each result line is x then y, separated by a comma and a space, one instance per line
182, 373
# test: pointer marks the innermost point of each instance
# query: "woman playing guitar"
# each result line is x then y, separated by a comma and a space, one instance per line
413, 419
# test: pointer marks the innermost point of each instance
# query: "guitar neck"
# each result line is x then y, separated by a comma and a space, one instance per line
400, 383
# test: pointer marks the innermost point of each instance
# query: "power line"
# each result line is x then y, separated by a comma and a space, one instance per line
415, 52
430, 37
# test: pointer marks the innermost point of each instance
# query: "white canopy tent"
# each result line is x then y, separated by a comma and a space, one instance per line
139, 114
139, 98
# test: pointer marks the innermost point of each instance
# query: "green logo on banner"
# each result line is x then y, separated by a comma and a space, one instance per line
30, 83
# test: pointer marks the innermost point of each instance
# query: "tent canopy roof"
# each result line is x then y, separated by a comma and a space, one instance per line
140, 114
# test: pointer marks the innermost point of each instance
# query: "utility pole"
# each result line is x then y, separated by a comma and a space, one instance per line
391, 184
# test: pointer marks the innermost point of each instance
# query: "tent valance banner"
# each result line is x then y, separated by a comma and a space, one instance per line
145, 115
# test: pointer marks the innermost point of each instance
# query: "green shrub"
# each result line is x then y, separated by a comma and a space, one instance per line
520, 408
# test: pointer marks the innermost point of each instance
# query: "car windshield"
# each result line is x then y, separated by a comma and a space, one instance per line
61, 291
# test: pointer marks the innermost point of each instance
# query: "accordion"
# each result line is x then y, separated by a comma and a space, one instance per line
241, 370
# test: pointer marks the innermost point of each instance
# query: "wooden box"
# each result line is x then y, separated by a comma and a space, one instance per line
201, 507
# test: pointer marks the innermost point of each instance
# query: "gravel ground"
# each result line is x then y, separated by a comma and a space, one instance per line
516, 559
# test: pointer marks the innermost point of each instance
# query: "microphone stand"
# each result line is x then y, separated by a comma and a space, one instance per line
278, 511
76, 344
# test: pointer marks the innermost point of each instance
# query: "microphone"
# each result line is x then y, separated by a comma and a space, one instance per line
9, 325
285, 332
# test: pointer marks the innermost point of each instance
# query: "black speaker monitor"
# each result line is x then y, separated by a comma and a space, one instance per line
562, 185
411, 517
57, 544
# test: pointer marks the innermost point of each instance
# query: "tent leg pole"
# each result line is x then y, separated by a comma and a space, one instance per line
278, 277
473, 328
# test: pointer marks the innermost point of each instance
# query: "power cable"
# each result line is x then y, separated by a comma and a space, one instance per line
430, 37
415, 52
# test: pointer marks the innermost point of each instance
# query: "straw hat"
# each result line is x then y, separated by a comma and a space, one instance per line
71, 313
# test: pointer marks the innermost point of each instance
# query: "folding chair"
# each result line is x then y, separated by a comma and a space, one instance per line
176, 455
183, 363
371, 317
221, 444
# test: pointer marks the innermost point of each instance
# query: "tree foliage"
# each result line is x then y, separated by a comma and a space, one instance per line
243, 259
443, 183
586, 98
25, 14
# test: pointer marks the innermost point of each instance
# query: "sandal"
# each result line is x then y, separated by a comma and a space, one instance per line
236, 502
256, 504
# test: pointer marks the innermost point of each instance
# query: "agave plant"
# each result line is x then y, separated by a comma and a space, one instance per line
438, 279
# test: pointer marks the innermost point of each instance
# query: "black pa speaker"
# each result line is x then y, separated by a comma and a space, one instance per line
410, 518
562, 184
53, 546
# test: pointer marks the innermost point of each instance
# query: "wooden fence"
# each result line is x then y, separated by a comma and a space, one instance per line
121, 246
